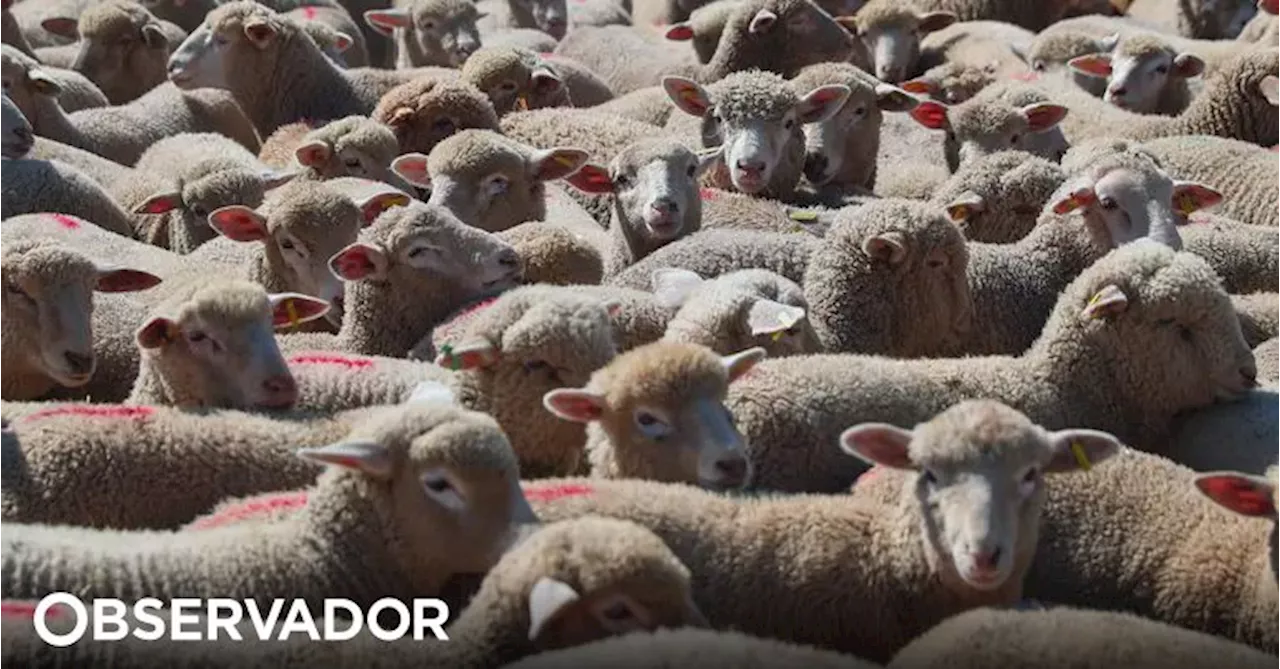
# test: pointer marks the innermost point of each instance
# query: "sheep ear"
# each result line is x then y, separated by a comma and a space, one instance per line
707, 158
919, 86
289, 309
372, 206
239, 223
468, 356
679, 32
849, 23
1252, 496
1094, 65
1270, 89
546, 600
575, 404
273, 179
935, 21
1043, 116
159, 203
259, 32
113, 279
890, 98
1110, 301
400, 116
359, 261
879, 444
762, 22
965, 206
822, 103
367, 457
342, 41
591, 179
1110, 42
687, 95
1187, 65
738, 364
313, 154
43, 83
1079, 450
61, 26
386, 21
1190, 197
558, 163
930, 114
545, 80
412, 167
153, 37
767, 317
888, 247
672, 286
157, 332
1082, 196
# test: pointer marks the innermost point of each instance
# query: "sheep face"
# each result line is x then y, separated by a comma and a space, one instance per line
122, 50
18, 136
1137, 77
444, 32
989, 123
190, 205
998, 198
26, 84
1124, 200
200, 61
237, 37
892, 35
48, 304
827, 142
662, 407
549, 16
978, 481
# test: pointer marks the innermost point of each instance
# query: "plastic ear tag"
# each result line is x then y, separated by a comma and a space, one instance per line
803, 215
292, 310
777, 335
1187, 204
690, 96
564, 161
958, 212
1080, 456
522, 103
454, 363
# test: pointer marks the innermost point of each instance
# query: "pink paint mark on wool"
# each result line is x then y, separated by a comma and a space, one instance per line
868, 475
1026, 76
250, 509
315, 359
552, 493
88, 411
707, 194
12, 608
309, 12
66, 221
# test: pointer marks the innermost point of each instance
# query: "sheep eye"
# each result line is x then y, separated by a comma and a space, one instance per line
197, 336
1013, 139
1166, 321
352, 163
617, 611
693, 169
445, 125
535, 365
1030, 476
199, 211
428, 25
860, 111
219, 40
1038, 66
286, 245
646, 419
436, 484
1162, 69
789, 124
19, 293
623, 181
6, 85
507, 86
929, 477
1108, 203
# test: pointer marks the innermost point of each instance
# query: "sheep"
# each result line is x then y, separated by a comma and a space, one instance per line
647, 105
1144, 74
48, 295
429, 32
1239, 436
757, 118
1241, 171
892, 33
354, 146
334, 30
1034, 17
702, 27
410, 269
124, 48
736, 311
106, 172
912, 159
935, 550
779, 36
1233, 103
1265, 354
1246, 257
1263, 27
549, 16
713, 252
19, 139
961, 59
1201, 19
555, 254
300, 226
842, 149
35, 186
727, 209
599, 13
654, 189
997, 198
1075, 637
567, 584
1000, 117
176, 464
210, 344
515, 78
689, 647
12, 32
1145, 333
525, 38
393, 492
1259, 316
122, 133
328, 382
279, 53
425, 111
657, 413
511, 352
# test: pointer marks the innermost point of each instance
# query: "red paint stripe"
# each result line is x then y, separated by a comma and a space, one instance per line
317, 359
707, 194
552, 493
257, 506
24, 609
86, 411
66, 221
309, 12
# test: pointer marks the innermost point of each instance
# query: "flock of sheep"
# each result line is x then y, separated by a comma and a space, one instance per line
850, 334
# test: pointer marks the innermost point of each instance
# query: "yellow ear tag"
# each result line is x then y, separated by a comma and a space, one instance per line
522, 103
1186, 204
564, 161
1080, 456
958, 212
803, 215
292, 310
690, 96
394, 201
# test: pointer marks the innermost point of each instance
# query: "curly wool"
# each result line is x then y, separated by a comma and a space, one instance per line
715, 315
1014, 187
710, 253
424, 111
353, 133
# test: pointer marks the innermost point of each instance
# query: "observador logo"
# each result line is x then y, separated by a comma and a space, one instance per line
191, 619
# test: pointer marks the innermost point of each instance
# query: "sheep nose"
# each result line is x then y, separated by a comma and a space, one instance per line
281, 390
732, 470
1250, 375
24, 135
751, 166
665, 205
509, 259
815, 166
1118, 90
987, 560
78, 363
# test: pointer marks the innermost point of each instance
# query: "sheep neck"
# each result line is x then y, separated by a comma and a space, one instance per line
273, 100
378, 322
22, 380
51, 122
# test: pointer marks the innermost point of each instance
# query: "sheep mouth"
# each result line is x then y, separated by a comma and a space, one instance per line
70, 379
721, 485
